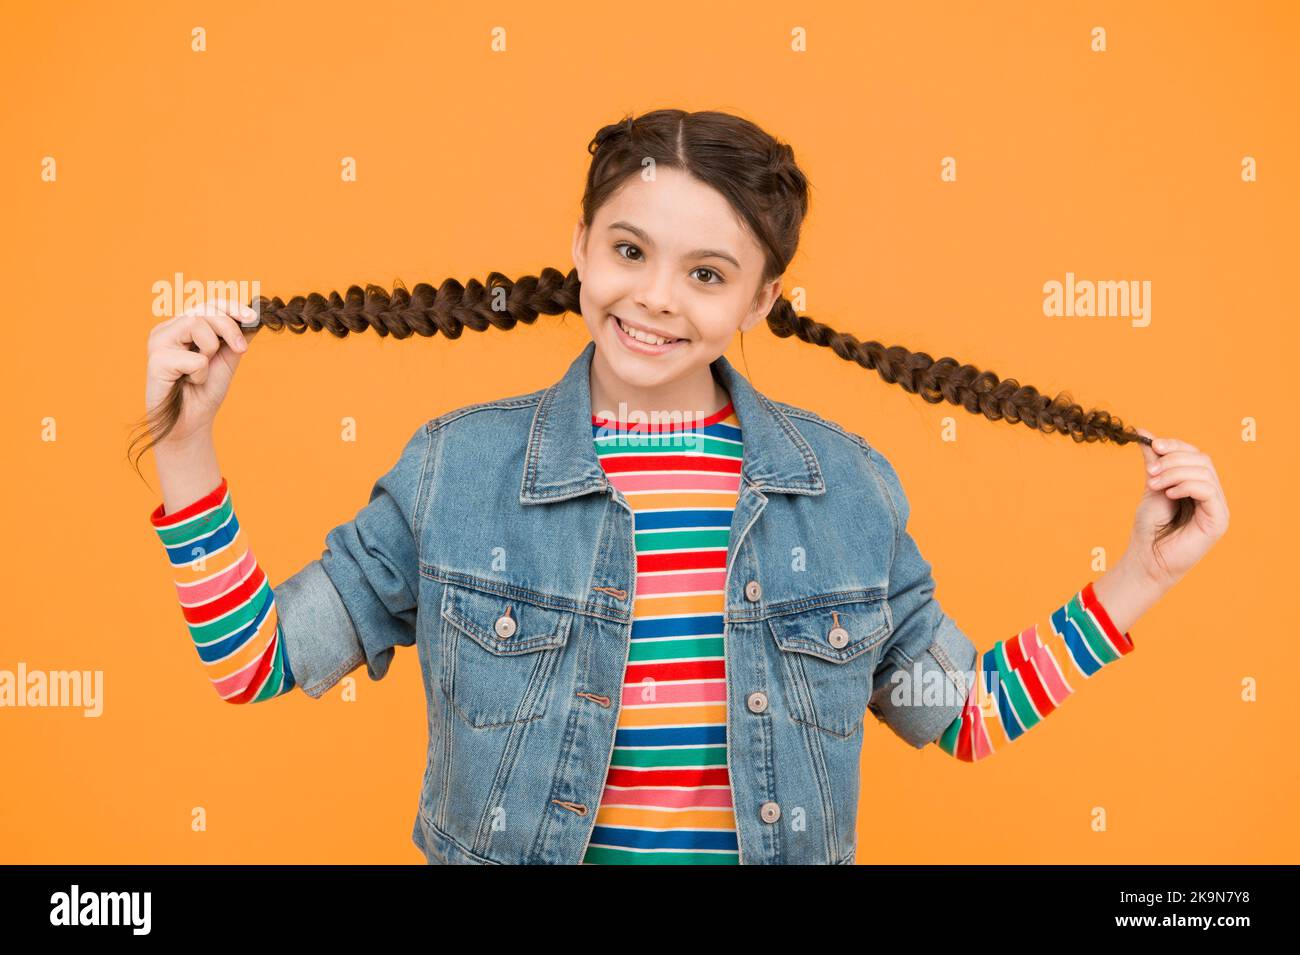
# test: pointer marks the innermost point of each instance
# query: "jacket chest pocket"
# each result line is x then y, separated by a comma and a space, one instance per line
828, 656
499, 655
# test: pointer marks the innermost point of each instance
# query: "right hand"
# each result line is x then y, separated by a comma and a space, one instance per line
214, 331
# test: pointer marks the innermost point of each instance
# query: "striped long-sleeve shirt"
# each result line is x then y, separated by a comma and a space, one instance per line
667, 795
225, 598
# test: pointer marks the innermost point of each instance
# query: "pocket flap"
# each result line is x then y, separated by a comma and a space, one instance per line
866, 620
505, 625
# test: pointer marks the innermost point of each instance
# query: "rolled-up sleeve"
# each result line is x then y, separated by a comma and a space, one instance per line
357, 603
926, 668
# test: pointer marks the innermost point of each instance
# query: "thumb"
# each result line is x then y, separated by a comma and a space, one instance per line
1149, 457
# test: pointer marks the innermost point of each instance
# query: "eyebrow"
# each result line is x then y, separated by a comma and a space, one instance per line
697, 254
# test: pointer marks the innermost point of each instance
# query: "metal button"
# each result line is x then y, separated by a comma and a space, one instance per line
838, 637
753, 590
505, 626
770, 812
757, 702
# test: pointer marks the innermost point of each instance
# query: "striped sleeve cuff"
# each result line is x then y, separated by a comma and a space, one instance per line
225, 598
1022, 680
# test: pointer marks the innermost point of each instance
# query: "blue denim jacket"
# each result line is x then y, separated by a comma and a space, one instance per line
497, 546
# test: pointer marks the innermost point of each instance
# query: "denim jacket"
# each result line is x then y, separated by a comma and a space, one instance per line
498, 547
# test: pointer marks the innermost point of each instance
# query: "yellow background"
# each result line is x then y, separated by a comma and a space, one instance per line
1117, 165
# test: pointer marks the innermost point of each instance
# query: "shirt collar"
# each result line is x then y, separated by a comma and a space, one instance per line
561, 460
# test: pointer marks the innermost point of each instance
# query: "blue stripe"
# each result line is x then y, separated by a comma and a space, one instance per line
675, 519
1075, 642
209, 652
993, 684
672, 839
209, 543
705, 625
671, 736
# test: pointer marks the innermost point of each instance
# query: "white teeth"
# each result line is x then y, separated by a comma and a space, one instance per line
643, 336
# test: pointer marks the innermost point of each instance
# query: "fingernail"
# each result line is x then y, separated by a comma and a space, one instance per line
1153, 468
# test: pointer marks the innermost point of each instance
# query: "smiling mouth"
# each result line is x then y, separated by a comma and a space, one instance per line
646, 338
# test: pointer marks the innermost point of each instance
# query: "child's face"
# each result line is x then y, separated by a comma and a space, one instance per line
658, 280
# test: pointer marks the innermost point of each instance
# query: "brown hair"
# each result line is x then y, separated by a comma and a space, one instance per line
760, 179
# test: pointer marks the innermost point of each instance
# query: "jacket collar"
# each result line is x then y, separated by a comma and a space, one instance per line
561, 460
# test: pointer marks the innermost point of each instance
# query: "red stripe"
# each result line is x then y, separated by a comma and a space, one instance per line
667, 427
669, 462
1030, 680
680, 670
964, 745
264, 666
213, 609
619, 776
207, 501
682, 560
1123, 641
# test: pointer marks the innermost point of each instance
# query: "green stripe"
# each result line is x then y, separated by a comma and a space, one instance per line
1014, 688
1075, 611
643, 650
681, 540
223, 627
605, 856
717, 447
692, 757
948, 741
197, 526
276, 683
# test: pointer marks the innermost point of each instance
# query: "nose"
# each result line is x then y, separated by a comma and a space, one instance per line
655, 294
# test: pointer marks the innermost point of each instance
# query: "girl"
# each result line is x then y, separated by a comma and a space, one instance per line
652, 605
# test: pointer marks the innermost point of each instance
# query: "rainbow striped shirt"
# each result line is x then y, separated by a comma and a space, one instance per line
1021, 680
225, 598
667, 795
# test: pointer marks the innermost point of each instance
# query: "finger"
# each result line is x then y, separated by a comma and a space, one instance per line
1172, 476
1165, 445
1206, 495
205, 338
225, 324
1149, 457
1176, 458
178, 362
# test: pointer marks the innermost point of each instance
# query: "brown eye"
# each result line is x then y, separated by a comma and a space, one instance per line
621, 245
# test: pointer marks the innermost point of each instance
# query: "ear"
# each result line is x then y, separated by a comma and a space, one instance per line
579, 253
771, 292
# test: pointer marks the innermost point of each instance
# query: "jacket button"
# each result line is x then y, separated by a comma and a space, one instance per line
505, 626
770, 812
838, 637
753, 590
757, 702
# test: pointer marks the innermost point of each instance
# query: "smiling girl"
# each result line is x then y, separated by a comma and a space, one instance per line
652, 605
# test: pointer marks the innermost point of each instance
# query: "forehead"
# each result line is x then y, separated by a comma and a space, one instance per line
679, 213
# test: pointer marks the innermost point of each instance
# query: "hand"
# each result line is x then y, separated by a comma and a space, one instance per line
1184, 472
203, 347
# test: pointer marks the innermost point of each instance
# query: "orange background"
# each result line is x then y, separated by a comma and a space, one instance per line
1115, 165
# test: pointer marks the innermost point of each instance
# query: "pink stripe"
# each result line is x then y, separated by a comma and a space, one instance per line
239, 679
676, 583
669, 798
1045, 663
981, 746
696, 691
205, 590
674, 481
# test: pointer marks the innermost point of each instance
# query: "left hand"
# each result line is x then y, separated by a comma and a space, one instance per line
1184, 472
